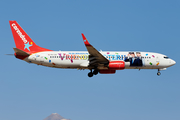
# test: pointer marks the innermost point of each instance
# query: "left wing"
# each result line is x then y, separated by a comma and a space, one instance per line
95, 57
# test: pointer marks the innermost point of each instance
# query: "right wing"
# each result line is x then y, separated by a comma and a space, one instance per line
95, 57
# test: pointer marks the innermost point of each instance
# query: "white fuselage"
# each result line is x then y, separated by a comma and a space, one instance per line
79, 59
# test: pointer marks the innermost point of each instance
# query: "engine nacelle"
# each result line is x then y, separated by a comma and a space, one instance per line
107, 71
116, 65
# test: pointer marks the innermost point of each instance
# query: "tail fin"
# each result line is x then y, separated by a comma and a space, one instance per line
23, 41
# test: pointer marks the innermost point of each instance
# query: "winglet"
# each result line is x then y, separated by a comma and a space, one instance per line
85, 40
93, 53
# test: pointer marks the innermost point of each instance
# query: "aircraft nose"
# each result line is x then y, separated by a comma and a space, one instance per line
173, 62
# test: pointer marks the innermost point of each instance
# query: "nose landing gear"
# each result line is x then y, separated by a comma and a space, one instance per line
158, 73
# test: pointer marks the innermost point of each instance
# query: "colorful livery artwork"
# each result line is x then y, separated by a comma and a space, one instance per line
103, 62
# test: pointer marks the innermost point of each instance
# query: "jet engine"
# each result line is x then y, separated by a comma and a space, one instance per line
116, 65
113, 66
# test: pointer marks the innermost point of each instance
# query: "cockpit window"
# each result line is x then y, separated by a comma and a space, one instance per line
166, 57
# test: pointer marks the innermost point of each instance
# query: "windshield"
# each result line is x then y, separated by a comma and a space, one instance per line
166, 57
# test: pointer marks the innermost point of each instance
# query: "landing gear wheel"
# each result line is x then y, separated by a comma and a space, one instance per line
95, 72
158, 73
90, 74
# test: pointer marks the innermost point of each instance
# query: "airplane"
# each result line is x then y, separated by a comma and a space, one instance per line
103, 62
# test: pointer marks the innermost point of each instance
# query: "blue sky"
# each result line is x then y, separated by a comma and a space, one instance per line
31, 92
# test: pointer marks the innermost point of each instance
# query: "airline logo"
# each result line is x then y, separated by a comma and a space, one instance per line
26, 43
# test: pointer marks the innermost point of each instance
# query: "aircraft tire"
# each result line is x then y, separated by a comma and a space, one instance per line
90, 74
158, 73
95, 72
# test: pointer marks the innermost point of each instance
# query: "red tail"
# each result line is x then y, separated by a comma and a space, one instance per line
23, 41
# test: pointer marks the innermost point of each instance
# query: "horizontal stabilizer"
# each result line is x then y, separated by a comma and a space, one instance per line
20, 52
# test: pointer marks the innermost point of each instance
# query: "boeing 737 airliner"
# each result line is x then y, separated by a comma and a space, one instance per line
104, 62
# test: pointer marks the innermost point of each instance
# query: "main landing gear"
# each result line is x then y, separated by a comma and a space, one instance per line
158, 73
95, 72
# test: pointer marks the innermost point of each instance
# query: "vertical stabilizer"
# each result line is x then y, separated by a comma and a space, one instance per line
23, 41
